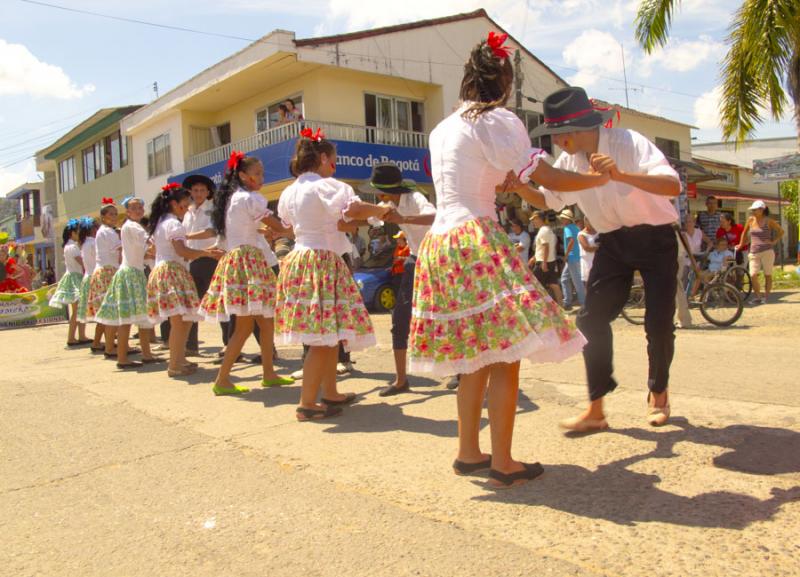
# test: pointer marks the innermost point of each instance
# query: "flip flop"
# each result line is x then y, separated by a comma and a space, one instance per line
134, 351
154, 360
97, 349
109, 355
236, 390
304, 414
182, 372
349, 398
277, 382
85, 341
462, 468
498, 480
130, 365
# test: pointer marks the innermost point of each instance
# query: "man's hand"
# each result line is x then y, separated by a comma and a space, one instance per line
393, 217
511, 184
603, 163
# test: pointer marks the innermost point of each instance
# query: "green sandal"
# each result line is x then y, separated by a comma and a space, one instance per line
277, 382
219, 391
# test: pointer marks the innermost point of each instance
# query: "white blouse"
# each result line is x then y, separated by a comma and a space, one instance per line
269, 254
169, 228
470, 157
415, 204
313, 206
72, 252
243, 218
198, 219
615, 204
108, 245
134, 244
89, 255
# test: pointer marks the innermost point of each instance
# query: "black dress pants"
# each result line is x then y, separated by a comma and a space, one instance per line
401, 314
653, 251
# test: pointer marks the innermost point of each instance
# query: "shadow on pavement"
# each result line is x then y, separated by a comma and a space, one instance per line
617, 494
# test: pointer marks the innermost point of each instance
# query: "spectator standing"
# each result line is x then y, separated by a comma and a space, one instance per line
732, 232
544, 257
761, 227
571, 274
588, 240
709, 222
696, 236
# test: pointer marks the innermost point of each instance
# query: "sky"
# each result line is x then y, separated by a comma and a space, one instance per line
57, 67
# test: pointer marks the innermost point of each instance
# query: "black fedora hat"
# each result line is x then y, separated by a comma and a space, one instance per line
193, 179
570, 110
387, 178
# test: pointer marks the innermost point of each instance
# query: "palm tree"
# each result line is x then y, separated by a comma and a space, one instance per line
762, 64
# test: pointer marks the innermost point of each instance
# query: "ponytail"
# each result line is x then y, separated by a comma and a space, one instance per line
230, 184
161, 204
308, 154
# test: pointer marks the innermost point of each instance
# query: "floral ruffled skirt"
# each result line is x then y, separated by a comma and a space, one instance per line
98, 286
83, 298
476, 303
171, 292
125, 302
243, 284
68, 290
319, 304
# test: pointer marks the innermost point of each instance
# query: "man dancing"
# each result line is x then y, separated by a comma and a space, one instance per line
634, 216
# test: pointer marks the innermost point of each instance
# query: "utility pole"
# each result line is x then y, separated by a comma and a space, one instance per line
624, 75
518, 78
155, 88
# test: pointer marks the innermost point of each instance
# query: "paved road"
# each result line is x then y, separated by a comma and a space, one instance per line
109, 473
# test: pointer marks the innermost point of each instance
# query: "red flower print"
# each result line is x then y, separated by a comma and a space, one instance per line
466, 253
424, 346
439, 331
505, 343
479, 269
472, 341
446, 349
482, 296
505, 250
496, 259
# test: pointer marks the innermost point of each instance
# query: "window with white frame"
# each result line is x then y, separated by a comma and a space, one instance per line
390, 112
159, 156
94, 161
278, 113
66, 174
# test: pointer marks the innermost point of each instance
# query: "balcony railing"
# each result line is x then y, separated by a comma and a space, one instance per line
25, 226
332, 130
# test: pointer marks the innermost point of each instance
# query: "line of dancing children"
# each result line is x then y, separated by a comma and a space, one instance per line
476, 310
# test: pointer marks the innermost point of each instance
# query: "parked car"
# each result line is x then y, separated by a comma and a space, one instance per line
374, 280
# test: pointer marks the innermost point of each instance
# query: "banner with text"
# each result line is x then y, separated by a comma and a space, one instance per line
29, 309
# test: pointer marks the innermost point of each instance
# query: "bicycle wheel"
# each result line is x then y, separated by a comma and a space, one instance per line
721, 304
633, 311
739, 277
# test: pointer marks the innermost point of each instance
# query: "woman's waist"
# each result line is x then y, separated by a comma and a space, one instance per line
455, 216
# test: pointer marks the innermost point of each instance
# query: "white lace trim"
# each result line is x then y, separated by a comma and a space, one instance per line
188, 315
142, 321
352, 342
238, 310
491, 303
537, 348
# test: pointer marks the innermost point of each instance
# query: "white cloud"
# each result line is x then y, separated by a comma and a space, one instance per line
683, 55
594, 53
706, 109
22, 73
11, 179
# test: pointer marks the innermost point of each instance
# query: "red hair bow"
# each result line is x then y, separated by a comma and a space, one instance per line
170, 186
307, 133
235, 159
106, 200
495, 42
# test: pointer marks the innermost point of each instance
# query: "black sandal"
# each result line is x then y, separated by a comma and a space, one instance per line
349, 398
462, 468
500, 480
109, 355
130, 365
304, 414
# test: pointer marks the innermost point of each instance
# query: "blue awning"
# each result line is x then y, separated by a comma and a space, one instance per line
354, 162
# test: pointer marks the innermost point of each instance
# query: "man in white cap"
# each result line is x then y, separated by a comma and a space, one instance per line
414, 214
634, 215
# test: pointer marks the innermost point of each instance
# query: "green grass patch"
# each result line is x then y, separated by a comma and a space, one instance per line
785, 278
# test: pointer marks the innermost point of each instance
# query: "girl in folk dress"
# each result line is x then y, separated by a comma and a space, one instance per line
243, 283
477, 308
108, 249
68, 291
318, 301
86, 242
171, 292
125, 303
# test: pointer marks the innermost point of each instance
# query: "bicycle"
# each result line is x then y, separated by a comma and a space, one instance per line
738, 276
721, 303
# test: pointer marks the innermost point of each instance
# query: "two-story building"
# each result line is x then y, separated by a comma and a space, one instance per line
86, 164
377, 94
35, 218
